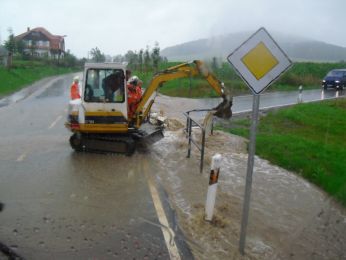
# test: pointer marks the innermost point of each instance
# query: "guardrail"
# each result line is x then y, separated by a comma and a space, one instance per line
190, 123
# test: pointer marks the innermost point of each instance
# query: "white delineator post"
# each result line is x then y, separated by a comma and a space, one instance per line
212, 189
300, 96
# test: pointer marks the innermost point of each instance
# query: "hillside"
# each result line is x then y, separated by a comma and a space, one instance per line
297, 48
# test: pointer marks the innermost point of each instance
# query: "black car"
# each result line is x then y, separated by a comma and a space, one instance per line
335, 79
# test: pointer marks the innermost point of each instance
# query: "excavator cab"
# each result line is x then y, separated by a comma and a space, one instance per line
103, 104
104, 89
104, 86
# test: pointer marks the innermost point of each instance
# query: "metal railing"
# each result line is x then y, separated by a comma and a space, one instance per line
190, 123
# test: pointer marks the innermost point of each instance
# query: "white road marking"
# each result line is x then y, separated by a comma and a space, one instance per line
168, 233
21, 157
54, 123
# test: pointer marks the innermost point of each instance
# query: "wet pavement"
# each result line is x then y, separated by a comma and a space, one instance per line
70, 206
66, 205
241, 104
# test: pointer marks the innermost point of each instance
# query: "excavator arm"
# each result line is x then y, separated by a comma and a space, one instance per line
184, 70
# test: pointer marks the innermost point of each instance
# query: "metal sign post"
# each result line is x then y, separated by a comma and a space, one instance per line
259, 61
250, 165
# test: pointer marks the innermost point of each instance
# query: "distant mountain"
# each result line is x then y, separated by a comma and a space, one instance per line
297, 48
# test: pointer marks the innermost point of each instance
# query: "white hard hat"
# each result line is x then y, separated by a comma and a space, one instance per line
134, 80
76, 78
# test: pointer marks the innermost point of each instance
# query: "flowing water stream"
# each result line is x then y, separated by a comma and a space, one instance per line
289, 217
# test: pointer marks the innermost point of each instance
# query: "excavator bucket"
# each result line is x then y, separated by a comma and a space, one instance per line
148, 135
223, 110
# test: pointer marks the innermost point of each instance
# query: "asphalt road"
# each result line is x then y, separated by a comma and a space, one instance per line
275, 99
242, 103
65, 205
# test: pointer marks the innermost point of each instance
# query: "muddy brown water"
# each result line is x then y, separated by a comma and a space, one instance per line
289, 217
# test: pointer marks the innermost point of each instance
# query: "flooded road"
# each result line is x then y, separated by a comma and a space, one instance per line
66, 205
81, 206
289, 217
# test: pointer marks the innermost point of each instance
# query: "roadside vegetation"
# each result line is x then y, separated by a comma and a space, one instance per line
146, 62
308, 139
306, 74
26, 72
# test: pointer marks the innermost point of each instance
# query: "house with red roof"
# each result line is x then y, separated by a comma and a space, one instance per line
40, 42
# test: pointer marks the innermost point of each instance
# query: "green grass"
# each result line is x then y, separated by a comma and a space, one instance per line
25, 73
309, 139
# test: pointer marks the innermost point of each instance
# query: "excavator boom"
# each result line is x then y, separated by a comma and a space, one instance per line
186, 70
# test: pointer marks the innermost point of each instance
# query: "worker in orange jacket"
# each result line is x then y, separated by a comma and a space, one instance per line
75, 88
134, 94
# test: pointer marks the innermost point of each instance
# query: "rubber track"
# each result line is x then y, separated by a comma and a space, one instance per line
98, 143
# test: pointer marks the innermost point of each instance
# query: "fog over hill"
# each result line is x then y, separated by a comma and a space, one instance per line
297, 48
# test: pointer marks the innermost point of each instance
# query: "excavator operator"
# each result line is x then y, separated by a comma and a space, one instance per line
134, 94
112, 84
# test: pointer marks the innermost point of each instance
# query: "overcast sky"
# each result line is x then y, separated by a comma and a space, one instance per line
116, 26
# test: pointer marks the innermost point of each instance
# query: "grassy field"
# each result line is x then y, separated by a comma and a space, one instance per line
308, 139
307, 74
25, 73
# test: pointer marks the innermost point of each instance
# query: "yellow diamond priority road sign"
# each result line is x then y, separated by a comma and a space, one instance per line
259, 61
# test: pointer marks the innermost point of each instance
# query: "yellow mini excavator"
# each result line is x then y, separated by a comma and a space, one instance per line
100, 121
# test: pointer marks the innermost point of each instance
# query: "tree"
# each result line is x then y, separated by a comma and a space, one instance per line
143, 60
132, 58
96, 55
155, 55
214, 64
108, 58
164, 60
69, 59
10, 45
147, 59
136, 61
118, 58
140, 60
129, 56
20, 47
